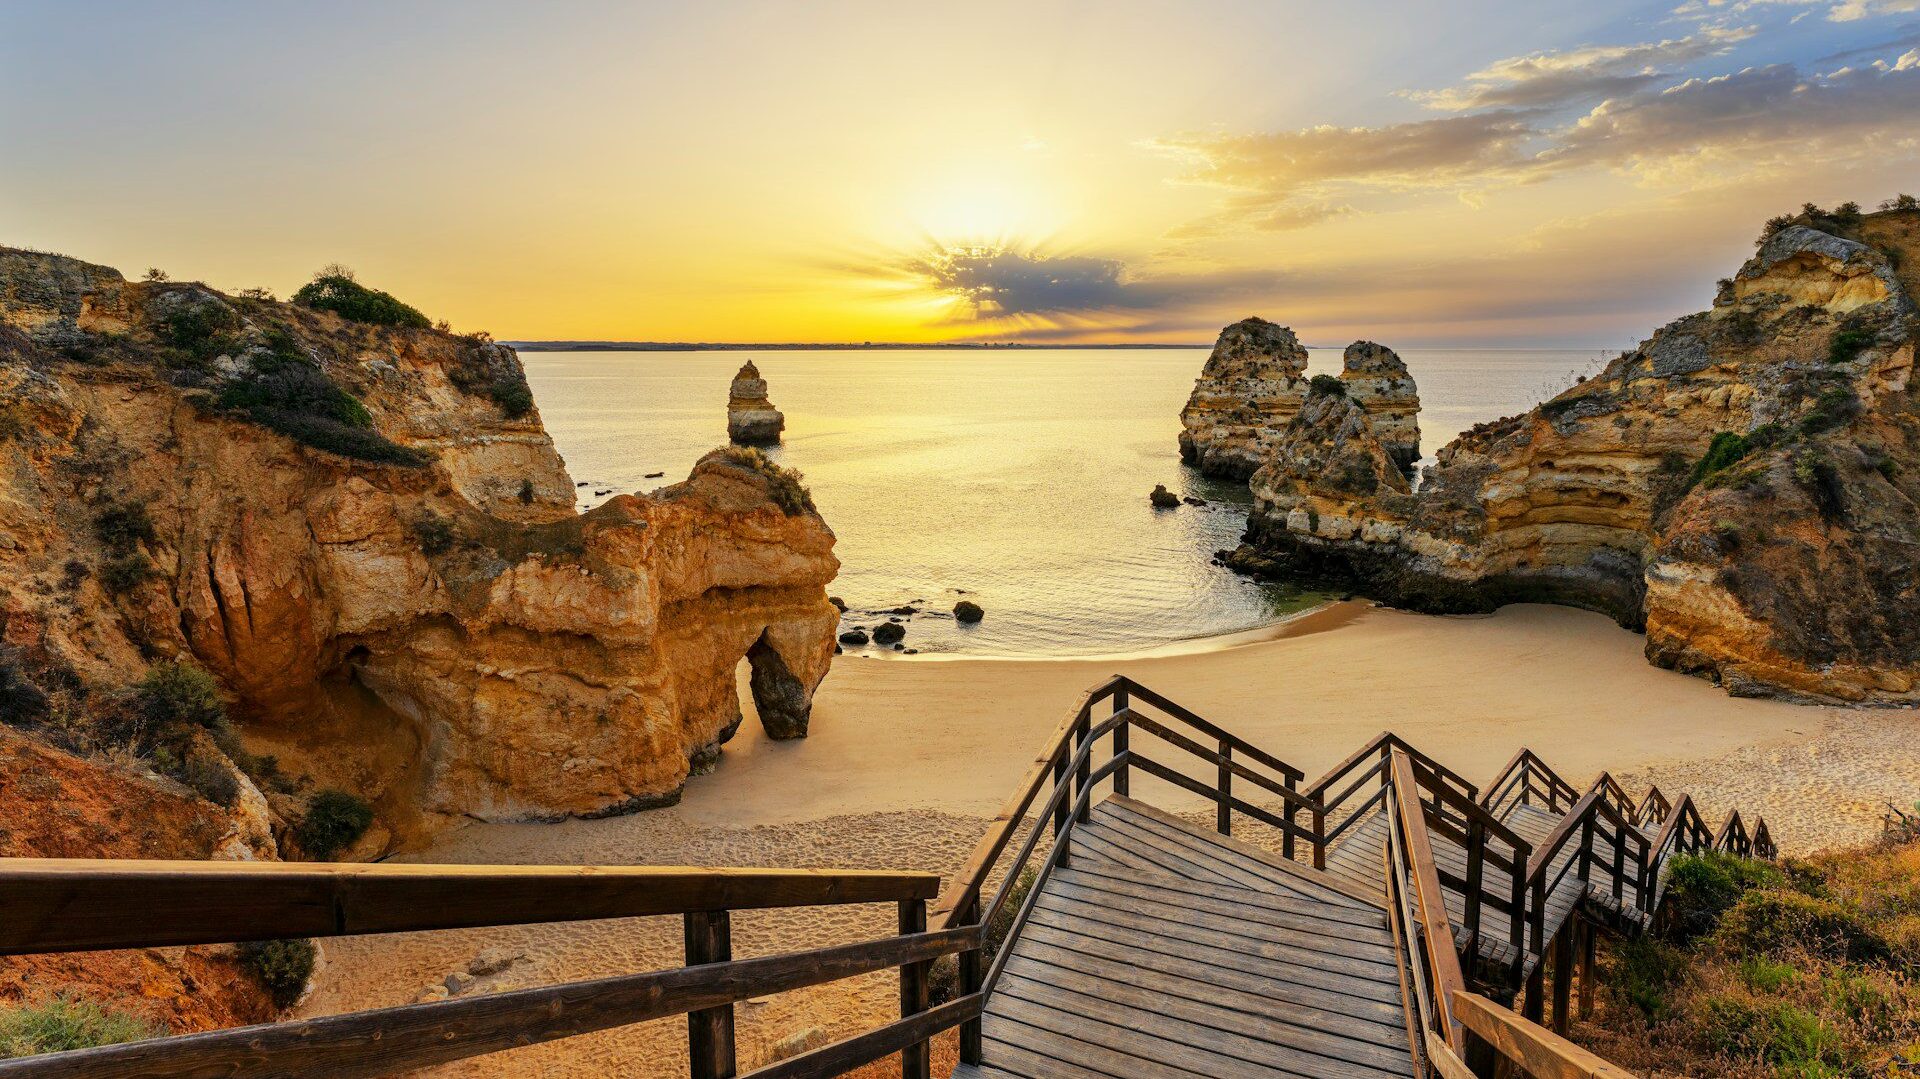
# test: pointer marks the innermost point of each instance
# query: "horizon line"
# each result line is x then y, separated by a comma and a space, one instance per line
571, 345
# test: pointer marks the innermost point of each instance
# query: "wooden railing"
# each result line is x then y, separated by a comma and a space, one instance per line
1528, 780
1367, 770
65, 905
1535, 1050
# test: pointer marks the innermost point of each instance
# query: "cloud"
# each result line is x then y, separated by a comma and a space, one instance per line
996, 282
1750, 117
1836, 10
1560, 77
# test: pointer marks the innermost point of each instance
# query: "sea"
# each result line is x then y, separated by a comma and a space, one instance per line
1017, 479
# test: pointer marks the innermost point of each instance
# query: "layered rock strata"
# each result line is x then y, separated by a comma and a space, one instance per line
751, 418
1254, 382
1744, 486
366, 534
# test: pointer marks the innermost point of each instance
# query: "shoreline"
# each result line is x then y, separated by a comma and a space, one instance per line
1330, 614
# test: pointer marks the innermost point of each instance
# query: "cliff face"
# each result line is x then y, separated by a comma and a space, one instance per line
1253, 385
1745, 485
367, 535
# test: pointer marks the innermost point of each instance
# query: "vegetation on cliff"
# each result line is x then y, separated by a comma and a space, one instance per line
335, 289
1806, 969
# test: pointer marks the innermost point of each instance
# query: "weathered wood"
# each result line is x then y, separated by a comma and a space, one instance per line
844, 1056
1563, 977
916, 1058
710, 1048
359, 1045
1539, 1052
84, 904
1446, 1063
1424, 886
970, 981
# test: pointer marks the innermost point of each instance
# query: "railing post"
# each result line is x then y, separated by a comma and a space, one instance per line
916, 1060
1223, 803
1293, 813
1122, 782
1085, 768
1060, 812
1563, 976
971, 970
710, 1030
1319, 835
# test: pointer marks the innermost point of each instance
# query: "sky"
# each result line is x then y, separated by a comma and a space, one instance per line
1541, 173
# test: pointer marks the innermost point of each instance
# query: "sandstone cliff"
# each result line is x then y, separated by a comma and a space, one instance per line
366, 534
751, 418
1745, 485
1253, 385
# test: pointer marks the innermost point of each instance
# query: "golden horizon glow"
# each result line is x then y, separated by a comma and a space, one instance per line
857, 172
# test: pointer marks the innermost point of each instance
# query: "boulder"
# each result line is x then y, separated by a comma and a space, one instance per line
888, 633
1162, 498
967, 612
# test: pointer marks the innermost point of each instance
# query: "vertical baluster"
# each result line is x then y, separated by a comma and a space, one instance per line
710, 1030
1080, 772
1122, 782
1563, 976
916, 1059
1476, 868
1223, 801
1286, 839
1319, 834
1586, 970
1061, 811
971, 973
1619, 863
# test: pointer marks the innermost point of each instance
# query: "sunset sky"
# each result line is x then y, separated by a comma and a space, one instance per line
1546, 172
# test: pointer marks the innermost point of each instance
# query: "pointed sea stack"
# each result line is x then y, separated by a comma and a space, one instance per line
751, 418
1378, 381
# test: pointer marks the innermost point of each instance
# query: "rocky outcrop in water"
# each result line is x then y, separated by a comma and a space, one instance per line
1378, 382
1744, 486
365, 533
751, 418
1253, 385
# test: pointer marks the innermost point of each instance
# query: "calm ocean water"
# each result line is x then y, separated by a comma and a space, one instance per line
1016, 479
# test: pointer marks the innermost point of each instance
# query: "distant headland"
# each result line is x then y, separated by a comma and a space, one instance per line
805, 346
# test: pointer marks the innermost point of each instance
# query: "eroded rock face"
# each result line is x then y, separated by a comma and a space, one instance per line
751, 418
448, 638
1378, 382
1745, 485
1251, 386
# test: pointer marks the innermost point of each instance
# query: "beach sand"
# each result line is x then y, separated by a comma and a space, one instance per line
909, 757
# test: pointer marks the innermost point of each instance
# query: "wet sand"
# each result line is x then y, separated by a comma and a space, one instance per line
909, 757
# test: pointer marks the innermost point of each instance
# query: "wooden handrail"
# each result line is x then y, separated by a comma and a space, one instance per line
85, 904
388, 1040
1539, 1052
1430, 907
1378, 747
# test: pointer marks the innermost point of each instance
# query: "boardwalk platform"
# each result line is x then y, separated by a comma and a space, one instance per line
1163, 950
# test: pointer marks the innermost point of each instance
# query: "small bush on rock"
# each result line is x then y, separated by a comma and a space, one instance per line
210, 779
1326, 386
124, 573
786, 486
288, 393
334, 289
335, 820
175, 696
282, 967
60, 1023
123, 526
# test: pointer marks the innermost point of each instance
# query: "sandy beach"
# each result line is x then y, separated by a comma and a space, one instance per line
909, 757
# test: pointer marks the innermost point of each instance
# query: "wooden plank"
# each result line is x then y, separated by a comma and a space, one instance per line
1424, 886
1202, 864
1023, 1025
1221, 1034
1298, 878
710, 1048
1281, 909
82, 904
1342, 951
1213, 948
865, 1048
1032, 1065
1540, 1052
1197, 982
1083, 1038
1237, 939
389, 1040
1113, 839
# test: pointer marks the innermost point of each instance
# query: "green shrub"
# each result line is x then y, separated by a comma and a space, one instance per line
434, 532
209, 779
513, 396
60, 1023
123, 526
526, 492
335, 820
288, 393
1645, 972
200, 327
173, 696
1702, 887
334, 289
1763, 975
124, 573
1726, 448
1848, 344
1835, 406
1774, 921
1326, 386
1901, 202
281, 966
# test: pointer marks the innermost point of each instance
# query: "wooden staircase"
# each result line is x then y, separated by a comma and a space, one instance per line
1387, 926
1386, 922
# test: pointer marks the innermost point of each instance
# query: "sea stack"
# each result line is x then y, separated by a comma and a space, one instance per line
751, 418
1251, 386
1378, 381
